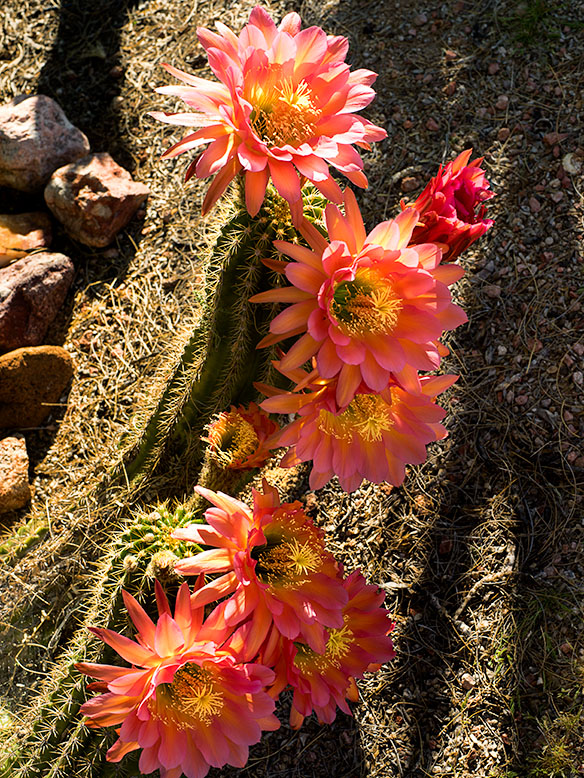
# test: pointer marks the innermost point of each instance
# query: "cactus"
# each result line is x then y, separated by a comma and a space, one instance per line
216, 368
57, 735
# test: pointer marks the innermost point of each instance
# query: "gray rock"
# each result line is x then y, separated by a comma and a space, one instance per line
32, 290
94, 198
35, 139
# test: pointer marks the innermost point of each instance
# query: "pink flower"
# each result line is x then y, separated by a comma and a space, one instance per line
322, 682
274, 563
187, 701
371, 305
372, 437
284, 109
451, 208
237, 439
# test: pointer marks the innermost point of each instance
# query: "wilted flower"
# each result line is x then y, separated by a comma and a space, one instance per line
187, 701
371, 305
273, 562
323, 682
451, 208
237, 439
372, 437
283, 110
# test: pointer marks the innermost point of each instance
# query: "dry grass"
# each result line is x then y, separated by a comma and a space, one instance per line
480, 552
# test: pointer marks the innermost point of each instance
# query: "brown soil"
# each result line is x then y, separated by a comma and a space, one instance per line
480, 551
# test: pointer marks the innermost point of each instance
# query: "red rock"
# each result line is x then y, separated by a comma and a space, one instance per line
35, 139
552, 138
492, 290
450, 55
534, 205
410, 183
493, 68
450, 88
94, 198
503, 134
502, 103
14, 486
20, 233
31, 292
31, 382
432, 125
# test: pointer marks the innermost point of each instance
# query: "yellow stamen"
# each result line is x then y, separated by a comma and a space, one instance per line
193, 694
284, 115
338, 645
367, 416
366, 305
288, 562
232, 439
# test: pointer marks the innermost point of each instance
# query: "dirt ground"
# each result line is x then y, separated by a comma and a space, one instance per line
480, 552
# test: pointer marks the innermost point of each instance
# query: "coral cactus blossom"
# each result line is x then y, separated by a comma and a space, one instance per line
237, 439
186, 702
323, 682
372, 437
451, 208
283, 110
273, 562
371, 306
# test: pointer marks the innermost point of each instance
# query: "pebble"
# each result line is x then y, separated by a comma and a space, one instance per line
432, 125
503, 134
502, 103
32, 290
467, 681
14, 486
493, 68
410, 183
578, 377
534, 205
94, 198
571, 164
32, 380
492, 290
35, 139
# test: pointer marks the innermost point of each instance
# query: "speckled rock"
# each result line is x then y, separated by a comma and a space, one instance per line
32, 381
14, 486
21, 233
31, 292
94, 198
35, 139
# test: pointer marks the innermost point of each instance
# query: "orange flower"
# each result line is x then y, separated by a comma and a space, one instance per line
190, 703
371, 305
451, 207
237, 439
283, 110
322, 682
372, 437
274, 563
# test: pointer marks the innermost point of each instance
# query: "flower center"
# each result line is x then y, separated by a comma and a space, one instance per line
286, 116
287, 561
338, 645
192, 695
232, 438
367, 416
366, 305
